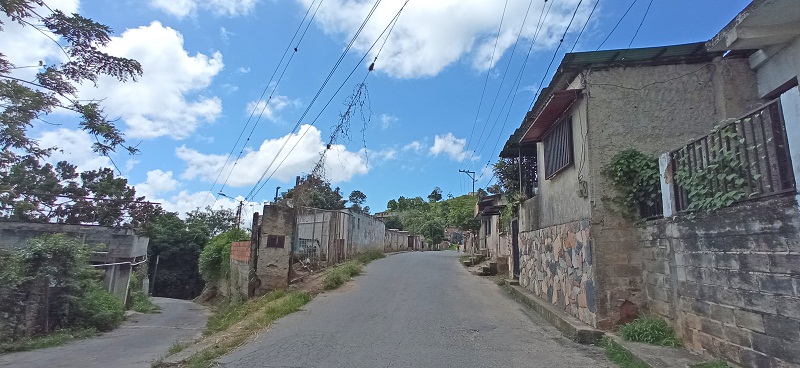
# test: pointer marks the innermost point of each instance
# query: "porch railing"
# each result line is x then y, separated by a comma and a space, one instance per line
748, 157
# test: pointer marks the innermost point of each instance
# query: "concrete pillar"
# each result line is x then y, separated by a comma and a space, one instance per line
275, 247
666, 172
790, 103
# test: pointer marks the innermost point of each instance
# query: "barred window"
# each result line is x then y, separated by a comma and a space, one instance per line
558, 153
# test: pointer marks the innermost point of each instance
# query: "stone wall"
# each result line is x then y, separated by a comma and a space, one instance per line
729, 282
274, 248
556, 265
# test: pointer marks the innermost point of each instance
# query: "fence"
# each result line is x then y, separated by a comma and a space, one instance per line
321, 238
748, 158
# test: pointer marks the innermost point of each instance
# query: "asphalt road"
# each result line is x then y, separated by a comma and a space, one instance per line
141, 340
415, 310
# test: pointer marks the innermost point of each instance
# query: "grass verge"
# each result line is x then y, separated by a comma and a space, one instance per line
54, 338
142, 304
342, 273
617, 354
231, 313
651, 330
369, 256
260, 314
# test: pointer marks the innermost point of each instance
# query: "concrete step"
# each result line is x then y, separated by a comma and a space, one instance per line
512, 281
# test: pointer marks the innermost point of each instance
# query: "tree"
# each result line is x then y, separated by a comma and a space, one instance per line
462, 213
357, 198
394, 222
313, 192
55, 86
177, 246
436, 195
213, 221
494, 189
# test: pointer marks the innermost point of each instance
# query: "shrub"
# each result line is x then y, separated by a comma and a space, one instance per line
98, 309
341, 274
650, 329
370, 256
137, 300
215, 259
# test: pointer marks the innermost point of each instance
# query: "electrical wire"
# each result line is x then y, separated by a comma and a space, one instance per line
488, 72
640, 23
388, 27
316, 96
616, 25
584, 26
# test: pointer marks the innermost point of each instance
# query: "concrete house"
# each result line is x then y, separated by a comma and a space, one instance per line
573, 247
492, 240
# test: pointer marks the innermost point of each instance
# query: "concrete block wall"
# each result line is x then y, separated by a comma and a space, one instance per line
729, 281
556, 264
272, 268
366, 232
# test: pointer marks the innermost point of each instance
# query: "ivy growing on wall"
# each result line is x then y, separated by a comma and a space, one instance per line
723, 179
635, 176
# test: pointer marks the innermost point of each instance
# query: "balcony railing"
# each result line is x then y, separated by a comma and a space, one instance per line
747, 158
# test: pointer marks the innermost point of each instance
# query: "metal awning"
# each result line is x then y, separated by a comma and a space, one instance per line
558, 103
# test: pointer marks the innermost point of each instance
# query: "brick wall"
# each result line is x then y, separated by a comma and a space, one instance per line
729, 282
240, 251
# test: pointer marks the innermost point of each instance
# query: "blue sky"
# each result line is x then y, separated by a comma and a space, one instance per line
207, 62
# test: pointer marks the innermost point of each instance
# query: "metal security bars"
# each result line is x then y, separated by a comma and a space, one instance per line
747, 158
558, 153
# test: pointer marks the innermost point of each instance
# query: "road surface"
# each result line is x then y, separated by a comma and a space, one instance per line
141, 340
415, 310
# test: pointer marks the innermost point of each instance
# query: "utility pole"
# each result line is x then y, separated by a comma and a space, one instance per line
238, 209
471, 175
276, 194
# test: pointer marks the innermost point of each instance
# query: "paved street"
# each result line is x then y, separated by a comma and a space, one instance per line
415, 310
141, 340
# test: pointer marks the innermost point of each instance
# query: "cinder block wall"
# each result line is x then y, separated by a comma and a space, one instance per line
729, 282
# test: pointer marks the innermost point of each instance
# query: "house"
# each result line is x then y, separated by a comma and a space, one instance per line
574, 248
493, 242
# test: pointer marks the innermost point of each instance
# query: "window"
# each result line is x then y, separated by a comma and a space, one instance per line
558, 153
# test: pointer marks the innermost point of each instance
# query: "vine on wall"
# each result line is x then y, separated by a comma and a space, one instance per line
636, 178
723, 179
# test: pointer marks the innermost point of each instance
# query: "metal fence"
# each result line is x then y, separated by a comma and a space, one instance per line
749, 156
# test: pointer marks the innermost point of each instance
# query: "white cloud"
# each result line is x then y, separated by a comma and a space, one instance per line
224, 34
184, 8
230, 88
25, 46
130, 164
413, 146
452, 146
270, 110
157, 182
430, 35
244, 70
75, 147
341, 165
160, 103
387, 121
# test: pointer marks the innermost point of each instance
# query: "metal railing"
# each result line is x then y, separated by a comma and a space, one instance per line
749, 156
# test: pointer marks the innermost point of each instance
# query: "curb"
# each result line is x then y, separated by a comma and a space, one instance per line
570, 326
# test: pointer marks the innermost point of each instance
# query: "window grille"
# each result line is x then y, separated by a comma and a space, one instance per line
558, 153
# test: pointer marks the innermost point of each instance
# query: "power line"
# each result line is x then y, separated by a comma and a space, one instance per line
488, 72
555, 53
640, 23
389, 27
271, 78
617, 25
316, 96
584, 26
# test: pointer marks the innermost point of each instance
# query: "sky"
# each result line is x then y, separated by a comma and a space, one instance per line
225, 103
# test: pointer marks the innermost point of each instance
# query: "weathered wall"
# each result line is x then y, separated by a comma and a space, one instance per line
634, 108
556, 265
779, 68
366, 232
274, 248
395, 240
120, 243
235, 286
729, 282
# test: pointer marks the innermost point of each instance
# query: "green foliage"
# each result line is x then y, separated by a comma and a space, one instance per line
723, 180
313, 192
98, 309
178, 245
436, 195
137, 300
369, 256
713, 364
618, 354
215, 259
214, 221
342, 273
462, 213
26, 102
394, 222
229, 314
636, 178
650, 329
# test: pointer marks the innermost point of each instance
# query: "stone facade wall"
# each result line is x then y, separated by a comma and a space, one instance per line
556, 265
277, 228
729, 282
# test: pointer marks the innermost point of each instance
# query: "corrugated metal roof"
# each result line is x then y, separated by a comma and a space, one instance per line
573, 63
